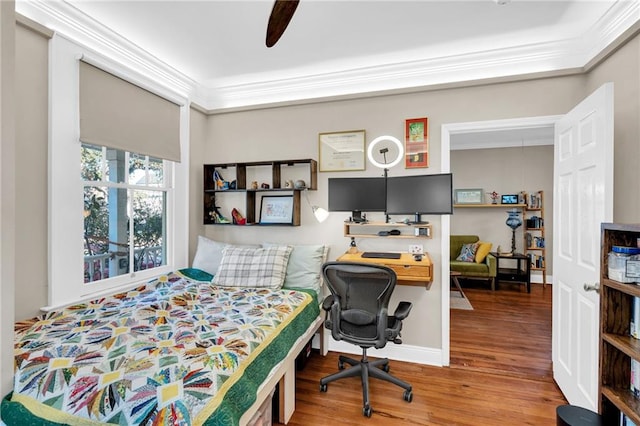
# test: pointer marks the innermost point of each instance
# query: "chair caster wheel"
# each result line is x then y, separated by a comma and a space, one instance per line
385, 368
323, 388
366, 411
408, 396
340, 365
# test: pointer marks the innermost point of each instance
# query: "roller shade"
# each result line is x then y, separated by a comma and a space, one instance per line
121, 115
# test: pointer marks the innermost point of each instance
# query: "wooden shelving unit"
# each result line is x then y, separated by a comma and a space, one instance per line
534, 238
212, 193
617, 346
371, 229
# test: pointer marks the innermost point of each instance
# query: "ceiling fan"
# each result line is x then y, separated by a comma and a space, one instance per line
279, 19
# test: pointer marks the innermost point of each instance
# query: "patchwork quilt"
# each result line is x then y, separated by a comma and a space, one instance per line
176, 351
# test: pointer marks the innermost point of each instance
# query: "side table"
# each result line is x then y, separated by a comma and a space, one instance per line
454, 277
521, 273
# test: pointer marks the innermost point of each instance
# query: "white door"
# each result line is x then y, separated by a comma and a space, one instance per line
583, 198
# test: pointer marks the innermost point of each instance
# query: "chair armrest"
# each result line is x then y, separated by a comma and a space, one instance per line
328, 301
492, 262
402, 311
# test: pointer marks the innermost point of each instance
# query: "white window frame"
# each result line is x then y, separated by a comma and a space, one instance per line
65, 206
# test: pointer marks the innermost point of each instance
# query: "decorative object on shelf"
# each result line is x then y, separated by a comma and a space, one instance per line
318, 212
513, 222
254, 185
352, 246
233, 184
342, 151
494, 197
238, 219
217, 178
509, 199
469, 196
265, 185
416, 140
299, 184
288, 184
276, 209
217, 217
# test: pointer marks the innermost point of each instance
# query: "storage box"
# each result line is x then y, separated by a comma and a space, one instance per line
619, 270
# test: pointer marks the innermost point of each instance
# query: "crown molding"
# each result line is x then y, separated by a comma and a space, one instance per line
570, 54
69, 22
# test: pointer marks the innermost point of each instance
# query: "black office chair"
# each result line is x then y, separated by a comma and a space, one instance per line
357, 313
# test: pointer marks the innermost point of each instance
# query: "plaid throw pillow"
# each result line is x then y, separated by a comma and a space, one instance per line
253, 267
468, 252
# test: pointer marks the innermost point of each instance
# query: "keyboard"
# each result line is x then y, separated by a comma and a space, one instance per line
381, 255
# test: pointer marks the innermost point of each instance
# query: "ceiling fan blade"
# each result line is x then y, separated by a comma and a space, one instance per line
279, 19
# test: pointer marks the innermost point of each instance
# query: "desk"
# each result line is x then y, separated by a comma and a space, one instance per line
521, 273
408, 270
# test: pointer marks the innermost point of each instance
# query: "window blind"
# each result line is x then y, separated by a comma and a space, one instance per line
121, 115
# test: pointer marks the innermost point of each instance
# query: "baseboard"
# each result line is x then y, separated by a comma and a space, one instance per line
408, 353
537, 279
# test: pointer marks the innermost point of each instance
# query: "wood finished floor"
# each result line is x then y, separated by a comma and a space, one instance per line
500, 372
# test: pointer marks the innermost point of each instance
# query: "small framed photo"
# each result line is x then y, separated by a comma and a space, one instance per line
509, 199
416, 143
469, 196
276, 210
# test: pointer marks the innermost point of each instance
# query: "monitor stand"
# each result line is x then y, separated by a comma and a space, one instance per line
356, 216
417, 220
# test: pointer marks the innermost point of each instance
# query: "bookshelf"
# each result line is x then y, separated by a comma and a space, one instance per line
617, 347
534, 233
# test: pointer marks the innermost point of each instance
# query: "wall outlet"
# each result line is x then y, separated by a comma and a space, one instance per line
416, 249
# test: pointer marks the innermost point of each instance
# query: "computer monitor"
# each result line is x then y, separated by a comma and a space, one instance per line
420, 194
357, 195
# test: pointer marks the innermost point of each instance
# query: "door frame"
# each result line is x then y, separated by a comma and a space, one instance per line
447, 130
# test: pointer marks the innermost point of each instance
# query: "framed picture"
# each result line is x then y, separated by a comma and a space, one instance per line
469, 196
509, 199
276, 209
342, 151
416, 143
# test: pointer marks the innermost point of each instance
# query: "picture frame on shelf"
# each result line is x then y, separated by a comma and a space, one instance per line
469, 196
276, 210
509, 199
341, 151
416, 143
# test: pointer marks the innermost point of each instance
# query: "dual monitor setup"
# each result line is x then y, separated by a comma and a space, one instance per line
402, 195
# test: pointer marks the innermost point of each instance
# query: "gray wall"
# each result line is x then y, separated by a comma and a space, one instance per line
31, 174
292, 132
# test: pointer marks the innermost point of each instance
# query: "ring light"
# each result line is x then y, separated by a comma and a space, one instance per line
374, 142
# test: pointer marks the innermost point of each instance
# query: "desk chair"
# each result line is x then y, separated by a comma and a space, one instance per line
357, 313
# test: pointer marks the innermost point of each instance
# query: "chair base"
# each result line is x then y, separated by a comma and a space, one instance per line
365, 368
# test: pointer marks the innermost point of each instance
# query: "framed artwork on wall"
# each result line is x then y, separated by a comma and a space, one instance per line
416, 143
341, 151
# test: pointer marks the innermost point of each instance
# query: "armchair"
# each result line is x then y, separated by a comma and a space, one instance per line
357, 312
487, 269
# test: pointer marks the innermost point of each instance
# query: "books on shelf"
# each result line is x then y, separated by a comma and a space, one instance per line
537, 260
634, 327
534, 201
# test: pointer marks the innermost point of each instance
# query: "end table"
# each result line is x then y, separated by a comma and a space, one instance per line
521, 273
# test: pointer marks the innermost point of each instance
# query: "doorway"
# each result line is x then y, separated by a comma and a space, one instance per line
485, 136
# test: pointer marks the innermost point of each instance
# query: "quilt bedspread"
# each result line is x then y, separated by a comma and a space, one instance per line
175, 351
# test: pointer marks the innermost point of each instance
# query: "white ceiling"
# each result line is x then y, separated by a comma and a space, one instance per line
338, 48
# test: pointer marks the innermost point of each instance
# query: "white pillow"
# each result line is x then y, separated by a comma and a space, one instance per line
208, 255
304, 267
253, 267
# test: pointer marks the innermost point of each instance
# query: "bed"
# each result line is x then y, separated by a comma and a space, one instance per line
181, 349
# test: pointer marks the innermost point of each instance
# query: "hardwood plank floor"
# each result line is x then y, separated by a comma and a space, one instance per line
500, 372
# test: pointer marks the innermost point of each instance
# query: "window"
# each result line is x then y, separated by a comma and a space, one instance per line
125, 199
117, 196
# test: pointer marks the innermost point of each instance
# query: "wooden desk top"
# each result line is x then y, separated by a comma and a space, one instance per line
405, 259
408, 270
